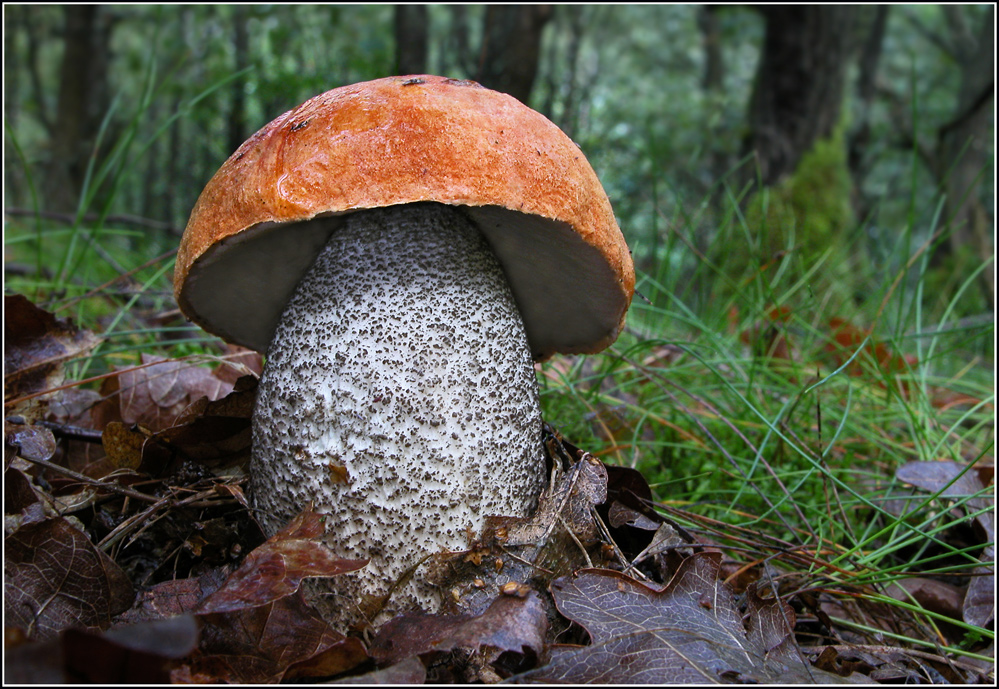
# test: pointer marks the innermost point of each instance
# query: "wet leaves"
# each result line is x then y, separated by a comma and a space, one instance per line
510, 623
688, 632
55, 578
36, 345
966, 486
276, 569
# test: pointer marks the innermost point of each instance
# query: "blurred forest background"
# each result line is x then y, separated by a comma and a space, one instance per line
821, 136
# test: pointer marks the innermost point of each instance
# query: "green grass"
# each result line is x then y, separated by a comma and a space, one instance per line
793, 459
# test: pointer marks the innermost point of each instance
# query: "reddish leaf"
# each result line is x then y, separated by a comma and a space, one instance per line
409, 671
36, 345
276, 568
268, 642
509, 624
689, 632
156, 393
848, 340
55, 578
172, 598
954, 480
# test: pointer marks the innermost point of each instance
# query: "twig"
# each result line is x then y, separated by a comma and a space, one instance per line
88, 435
113, 487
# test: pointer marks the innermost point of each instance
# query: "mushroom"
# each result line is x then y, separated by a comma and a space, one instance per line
403, 249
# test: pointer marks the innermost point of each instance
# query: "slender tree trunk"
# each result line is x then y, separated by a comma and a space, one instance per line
82, 102
798, 90
963, 142
868, 63
241, 47
511, 47
411, 39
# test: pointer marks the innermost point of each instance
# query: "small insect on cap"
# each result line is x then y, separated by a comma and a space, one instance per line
403, 140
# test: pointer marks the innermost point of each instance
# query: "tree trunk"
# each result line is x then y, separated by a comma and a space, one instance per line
798, 89
81, 105
963, 142
241, 46
411, 29
867, 68
511, 46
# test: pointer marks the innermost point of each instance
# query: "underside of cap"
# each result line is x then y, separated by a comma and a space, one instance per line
262, 219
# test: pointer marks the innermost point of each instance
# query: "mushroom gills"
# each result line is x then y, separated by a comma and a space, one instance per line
399, 396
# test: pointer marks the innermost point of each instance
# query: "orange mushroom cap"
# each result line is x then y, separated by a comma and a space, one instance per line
262, 219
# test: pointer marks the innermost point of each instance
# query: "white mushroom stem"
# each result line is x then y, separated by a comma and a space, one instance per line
399, 396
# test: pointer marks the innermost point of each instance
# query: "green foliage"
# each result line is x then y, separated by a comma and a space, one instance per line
809, 215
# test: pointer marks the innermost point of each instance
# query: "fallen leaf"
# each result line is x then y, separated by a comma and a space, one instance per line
135, 654
156, 393
54, 578
276, 568
409, 671
953, 480
508, 624
172, 598
36, 345
268, 642
688, 632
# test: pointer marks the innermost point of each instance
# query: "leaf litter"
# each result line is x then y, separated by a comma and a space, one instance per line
129, 538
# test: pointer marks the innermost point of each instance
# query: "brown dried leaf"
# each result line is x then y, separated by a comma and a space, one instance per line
171, 598
569, 501
156, 393
510, 623
935, 596
239, 362
18, 494
409, 671
276, 569
55, 578
954, 480
30, 442
123, 445
689, 632
980, 600
36, 345
136, 654
215, 431
935, 476
269, 642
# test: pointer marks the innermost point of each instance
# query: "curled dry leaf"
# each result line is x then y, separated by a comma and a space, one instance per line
510, 623
276, 568
283, 639
156, 393
953, 480
36, 345
55, 579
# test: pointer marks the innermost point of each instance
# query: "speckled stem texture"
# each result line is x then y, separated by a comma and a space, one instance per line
399, 396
